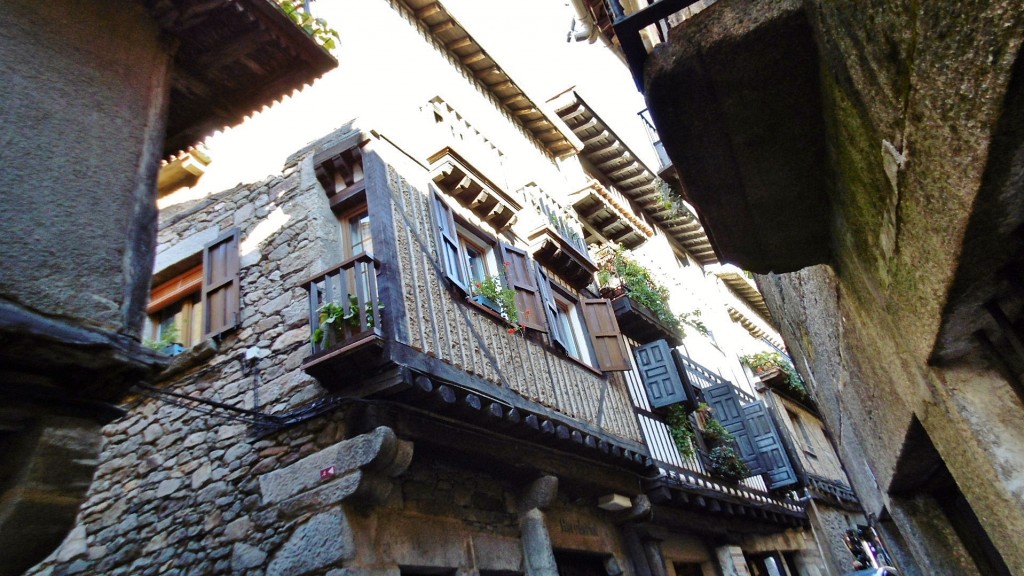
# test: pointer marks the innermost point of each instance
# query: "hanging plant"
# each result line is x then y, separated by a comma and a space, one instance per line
766, 361
681, 430
725, 463
639, 285
716, 434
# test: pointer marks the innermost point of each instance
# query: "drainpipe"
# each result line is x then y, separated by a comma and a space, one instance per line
586, 23
588, 31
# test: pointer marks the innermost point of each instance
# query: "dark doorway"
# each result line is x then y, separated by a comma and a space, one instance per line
688, 569
920, 474
571, 563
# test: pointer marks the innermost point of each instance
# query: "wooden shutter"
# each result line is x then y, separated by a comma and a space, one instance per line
220, 284
521, 278
725, 407
550, 309
659, 374
609, 348
778, 471
448, 242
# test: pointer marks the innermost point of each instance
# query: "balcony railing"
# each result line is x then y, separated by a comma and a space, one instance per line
345, 317
557, 241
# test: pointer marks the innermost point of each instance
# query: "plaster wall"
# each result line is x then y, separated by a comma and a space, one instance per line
80, 218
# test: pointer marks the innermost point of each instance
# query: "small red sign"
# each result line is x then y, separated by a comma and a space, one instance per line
327, 473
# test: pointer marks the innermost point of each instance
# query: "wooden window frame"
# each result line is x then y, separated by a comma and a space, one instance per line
345, 220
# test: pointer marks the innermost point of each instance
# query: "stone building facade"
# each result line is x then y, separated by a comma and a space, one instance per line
359, 411
104, 90
873, 150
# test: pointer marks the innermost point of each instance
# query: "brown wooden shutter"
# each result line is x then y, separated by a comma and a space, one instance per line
550, 309
448, 242
220, 284
521, 278
609, 348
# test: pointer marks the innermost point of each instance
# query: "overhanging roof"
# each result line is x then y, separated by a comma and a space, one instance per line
745, 288
547, 128
616, 162
234, 57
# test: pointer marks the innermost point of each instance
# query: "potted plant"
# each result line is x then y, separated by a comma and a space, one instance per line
168, 343
715, 433
619, 274
493, 294
764, 362
335, 317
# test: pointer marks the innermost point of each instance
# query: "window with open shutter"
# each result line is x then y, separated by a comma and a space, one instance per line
725, 407
521, 278
448, 242
659, 374
609, 348
778, 471
220, 284
550, 309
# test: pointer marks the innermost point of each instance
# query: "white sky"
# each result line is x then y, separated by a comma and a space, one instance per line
528, 39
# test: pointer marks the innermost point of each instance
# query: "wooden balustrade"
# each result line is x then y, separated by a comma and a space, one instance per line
347, 293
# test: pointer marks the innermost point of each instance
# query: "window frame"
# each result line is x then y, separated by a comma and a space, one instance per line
345, 221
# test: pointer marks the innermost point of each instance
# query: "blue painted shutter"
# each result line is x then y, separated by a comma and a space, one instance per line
725, 407
550, 309
448, 242
659, 374
779, 471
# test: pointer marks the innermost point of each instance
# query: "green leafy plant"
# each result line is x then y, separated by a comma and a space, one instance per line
681, 430
334, 318
692, 318
715, 433
494, 290
315, 27
168, 335
639, 285
725, 463
765, 361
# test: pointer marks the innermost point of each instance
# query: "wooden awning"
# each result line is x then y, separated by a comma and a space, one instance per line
234, 57
608, 214
614, 161
481, 196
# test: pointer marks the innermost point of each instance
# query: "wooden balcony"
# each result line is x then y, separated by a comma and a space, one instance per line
640, 323
609, 214
345, 321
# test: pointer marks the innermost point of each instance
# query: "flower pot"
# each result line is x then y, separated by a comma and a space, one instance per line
172, 349
487, 302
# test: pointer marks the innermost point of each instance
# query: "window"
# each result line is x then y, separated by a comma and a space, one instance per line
356, 232
569, 325
476, 259
175, 310
808, 446
199, 303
